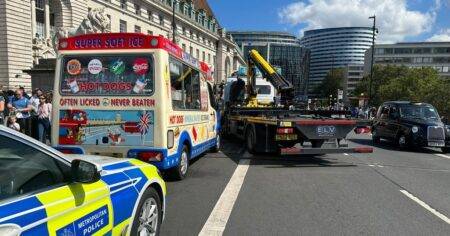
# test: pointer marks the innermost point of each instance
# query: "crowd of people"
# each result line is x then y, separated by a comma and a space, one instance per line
30, 115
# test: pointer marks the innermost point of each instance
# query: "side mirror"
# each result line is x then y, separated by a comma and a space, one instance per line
84, 172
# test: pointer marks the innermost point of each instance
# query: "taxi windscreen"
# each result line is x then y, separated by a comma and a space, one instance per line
130, 74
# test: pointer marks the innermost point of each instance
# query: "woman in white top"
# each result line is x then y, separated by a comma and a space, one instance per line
44, 112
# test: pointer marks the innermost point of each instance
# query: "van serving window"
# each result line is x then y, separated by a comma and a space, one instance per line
185, 86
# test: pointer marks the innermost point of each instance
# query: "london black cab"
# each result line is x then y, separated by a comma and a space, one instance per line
411, 124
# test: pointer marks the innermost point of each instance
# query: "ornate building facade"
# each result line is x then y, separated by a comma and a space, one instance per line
26, 47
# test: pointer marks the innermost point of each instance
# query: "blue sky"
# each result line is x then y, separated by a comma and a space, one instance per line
398, 20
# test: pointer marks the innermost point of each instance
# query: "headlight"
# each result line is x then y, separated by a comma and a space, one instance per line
415, 129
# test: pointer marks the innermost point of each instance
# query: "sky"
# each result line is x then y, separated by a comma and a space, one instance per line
397, 20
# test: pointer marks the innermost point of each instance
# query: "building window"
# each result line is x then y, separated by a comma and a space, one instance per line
191, 51
137, 29
185, 86
149, 32
203, 56
137, 8
197, 52
183, 46
191, 35
150, 15
109, 26
209, 58
161, 20
123, 4
122, 26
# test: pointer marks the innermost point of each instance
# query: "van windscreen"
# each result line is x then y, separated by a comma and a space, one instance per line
129, 74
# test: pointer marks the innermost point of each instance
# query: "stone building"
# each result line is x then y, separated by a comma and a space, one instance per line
27, 57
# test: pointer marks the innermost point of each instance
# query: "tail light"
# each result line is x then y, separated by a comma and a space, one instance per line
285, 130
148, 156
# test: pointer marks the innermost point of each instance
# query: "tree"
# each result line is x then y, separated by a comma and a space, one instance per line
330, 85
410, 84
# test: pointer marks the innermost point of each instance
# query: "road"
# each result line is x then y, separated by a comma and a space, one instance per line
388, 192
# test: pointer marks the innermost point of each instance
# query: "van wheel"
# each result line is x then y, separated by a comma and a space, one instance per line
148, 218
180, 171
445, 150
250, 140
216, 148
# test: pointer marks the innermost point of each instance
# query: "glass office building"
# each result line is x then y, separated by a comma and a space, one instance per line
282, 50
334, 48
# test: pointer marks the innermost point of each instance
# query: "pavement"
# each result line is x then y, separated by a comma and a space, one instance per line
387, 192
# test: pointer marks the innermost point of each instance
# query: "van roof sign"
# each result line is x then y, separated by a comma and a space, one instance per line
117, 41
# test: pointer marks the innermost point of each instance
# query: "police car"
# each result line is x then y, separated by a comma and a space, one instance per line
45, 192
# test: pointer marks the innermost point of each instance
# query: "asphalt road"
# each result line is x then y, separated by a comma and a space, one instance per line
388, 192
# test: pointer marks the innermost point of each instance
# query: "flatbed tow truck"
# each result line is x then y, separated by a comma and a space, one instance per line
281, 128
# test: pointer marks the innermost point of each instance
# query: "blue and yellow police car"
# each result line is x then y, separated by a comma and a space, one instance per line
46, 192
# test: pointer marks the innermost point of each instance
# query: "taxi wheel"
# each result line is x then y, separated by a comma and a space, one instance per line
148, 218
180, 171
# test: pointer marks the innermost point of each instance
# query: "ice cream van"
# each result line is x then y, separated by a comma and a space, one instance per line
136, 96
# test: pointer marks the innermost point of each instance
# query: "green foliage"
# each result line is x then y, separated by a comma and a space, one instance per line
410, 84
330, 85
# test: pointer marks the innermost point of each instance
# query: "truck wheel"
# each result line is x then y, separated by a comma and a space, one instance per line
148, 218
216, 148
445, 150
375, 137
317, 143
180, 171
250, 140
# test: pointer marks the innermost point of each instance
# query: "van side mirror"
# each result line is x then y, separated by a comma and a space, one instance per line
84, 172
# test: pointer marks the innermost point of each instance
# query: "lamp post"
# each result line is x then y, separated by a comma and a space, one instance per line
371, 61
174, 25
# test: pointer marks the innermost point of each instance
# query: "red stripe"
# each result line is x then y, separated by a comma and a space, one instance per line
326, 122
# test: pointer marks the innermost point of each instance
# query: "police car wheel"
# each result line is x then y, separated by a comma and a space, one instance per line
180, 171
216, 147
148, 217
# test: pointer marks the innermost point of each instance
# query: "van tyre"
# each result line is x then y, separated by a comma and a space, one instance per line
180, 171
148, 218
250, 140
445, 150
216, 147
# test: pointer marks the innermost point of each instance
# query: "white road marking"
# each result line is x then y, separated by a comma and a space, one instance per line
217, 220
345, 154
426, 206
442, 155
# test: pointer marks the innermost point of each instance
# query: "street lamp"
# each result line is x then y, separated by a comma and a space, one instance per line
371, 61
174, 25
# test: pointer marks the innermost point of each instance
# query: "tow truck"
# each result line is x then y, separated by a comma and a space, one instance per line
281, 127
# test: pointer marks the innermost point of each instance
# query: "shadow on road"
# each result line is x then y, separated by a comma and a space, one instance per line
388, 145
235, 150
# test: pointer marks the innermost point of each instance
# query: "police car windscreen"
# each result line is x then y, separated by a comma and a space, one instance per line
130, 74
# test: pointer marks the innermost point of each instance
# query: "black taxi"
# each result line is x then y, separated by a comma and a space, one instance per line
411, 124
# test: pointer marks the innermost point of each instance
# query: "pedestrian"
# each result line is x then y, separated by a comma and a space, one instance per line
2, 108
20, 106
34, 102
24, 92
44, 112
12, 123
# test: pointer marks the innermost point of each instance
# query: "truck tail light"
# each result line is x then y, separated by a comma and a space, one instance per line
148, 156
285, 130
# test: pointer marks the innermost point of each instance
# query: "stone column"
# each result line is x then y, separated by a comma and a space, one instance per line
47, 19
33, 18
